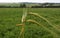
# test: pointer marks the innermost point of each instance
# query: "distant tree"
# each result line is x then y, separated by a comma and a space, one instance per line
44, 4
47, 4
22, 5
51, 4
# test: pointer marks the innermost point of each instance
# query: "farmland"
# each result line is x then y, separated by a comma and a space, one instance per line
9, 17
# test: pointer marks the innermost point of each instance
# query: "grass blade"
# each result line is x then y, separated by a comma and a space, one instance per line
33, 21
35, 14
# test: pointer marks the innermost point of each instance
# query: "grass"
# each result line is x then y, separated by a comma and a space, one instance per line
9, 17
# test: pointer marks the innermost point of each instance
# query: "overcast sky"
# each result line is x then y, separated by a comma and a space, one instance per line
40, 1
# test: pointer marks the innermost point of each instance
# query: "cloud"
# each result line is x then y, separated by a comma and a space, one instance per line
41, 1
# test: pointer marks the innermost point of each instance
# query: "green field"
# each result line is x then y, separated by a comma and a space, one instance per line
9, 17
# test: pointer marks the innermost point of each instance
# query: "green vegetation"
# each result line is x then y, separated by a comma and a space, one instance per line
9, 4
10, 17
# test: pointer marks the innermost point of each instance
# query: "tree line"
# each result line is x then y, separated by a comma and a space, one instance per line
23, 5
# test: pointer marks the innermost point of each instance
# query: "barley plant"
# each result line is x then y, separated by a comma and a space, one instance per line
23, 20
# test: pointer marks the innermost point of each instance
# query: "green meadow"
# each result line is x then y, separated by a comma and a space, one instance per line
10, 17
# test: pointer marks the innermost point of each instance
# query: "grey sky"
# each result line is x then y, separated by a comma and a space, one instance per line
41, 1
